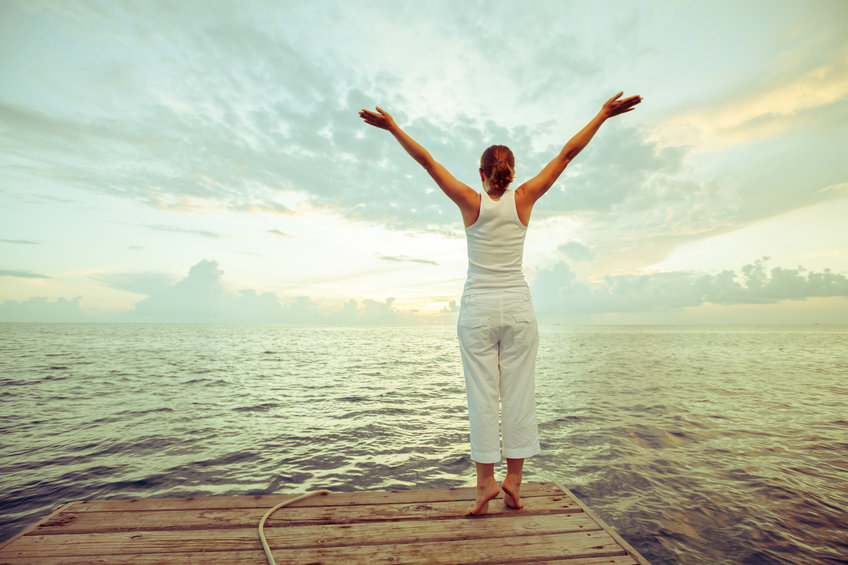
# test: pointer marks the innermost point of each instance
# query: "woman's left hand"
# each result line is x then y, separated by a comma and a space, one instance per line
382, 120
614, 106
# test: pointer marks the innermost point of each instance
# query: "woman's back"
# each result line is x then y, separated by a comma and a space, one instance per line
496, 245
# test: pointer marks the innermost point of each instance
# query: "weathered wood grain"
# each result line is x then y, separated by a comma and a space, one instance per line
223, 518
498, 550
504, 550
413, 527
371, 533
357, 498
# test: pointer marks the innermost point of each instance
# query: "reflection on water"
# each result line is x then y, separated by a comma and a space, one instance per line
721, 445
714, 445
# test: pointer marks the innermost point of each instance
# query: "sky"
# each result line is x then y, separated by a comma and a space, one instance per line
203, 161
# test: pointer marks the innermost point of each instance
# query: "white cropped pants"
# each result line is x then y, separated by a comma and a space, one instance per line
498, 340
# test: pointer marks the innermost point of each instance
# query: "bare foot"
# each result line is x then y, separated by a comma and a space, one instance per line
485, 493
512, 491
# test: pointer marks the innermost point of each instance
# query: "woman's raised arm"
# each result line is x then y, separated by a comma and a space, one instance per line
534, 188
462, 194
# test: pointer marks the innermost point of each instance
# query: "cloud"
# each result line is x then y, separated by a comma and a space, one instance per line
406, 259
839, 189
617, 164
369, 312
281, 234
627, 188
178, 133
557, 290
20, 241
40, 309
257, 114
450, 308
201, 297
22, 274
183, 108
176, 229
757, 285
765, 111
624, 188
576, 251
139, 283
304, 310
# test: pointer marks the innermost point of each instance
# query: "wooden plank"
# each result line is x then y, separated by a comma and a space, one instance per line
295, 536
204, 558
620, 540
357, 498
82, 522
608, 560
503, 550
597, 544
50, 516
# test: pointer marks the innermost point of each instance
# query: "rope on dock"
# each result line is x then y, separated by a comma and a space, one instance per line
274, 509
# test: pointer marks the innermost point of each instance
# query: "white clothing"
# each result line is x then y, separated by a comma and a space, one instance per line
498, 335
496, 245
498, 340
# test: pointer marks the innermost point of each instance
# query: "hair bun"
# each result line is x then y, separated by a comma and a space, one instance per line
498, 166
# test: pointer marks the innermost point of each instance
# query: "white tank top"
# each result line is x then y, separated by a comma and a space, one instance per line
496, 246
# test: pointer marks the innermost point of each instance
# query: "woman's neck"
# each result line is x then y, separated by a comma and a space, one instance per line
495, 194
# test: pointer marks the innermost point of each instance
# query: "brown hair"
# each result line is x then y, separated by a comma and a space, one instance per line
498, 165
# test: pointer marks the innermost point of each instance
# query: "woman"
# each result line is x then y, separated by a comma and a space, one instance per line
497, 328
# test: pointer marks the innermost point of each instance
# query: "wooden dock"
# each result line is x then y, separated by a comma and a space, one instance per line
398, 526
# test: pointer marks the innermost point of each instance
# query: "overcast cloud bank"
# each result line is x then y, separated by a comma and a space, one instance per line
557, 290
201, 297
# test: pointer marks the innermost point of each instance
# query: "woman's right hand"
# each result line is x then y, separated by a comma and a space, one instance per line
382, 120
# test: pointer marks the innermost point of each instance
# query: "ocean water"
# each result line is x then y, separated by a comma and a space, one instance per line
697, 444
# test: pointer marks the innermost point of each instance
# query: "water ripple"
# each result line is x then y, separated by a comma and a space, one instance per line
699, 445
